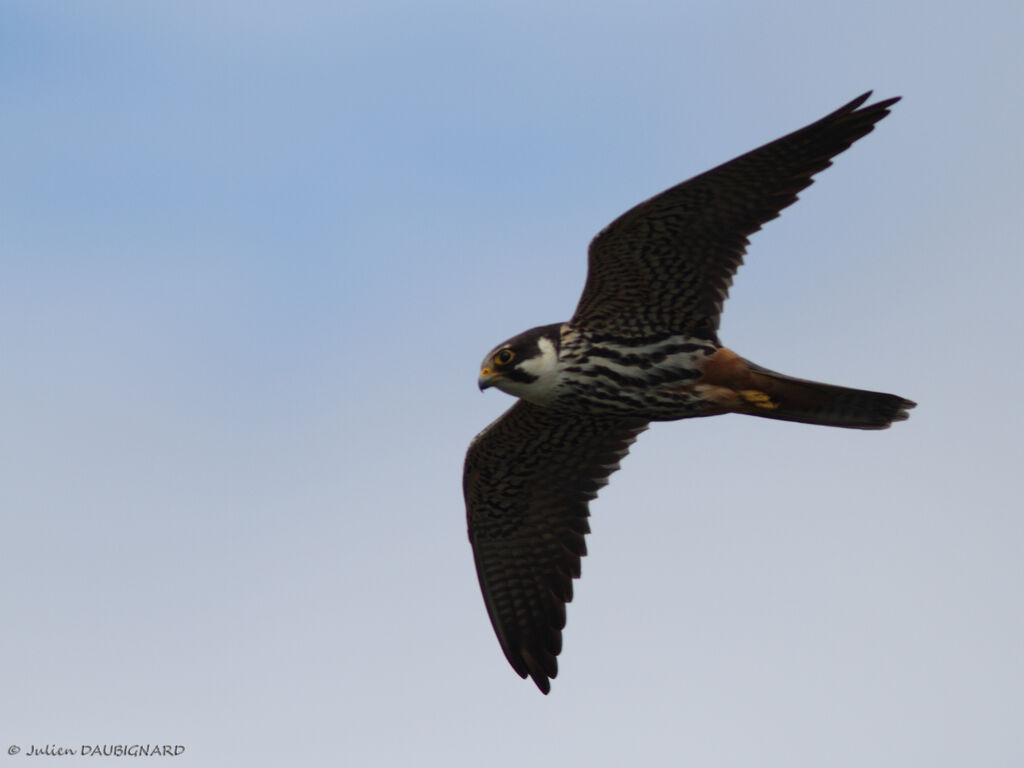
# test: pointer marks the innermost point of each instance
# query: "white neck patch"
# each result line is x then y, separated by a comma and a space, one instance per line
545, 363
544, 367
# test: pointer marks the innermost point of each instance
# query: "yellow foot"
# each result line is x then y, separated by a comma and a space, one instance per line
758, 399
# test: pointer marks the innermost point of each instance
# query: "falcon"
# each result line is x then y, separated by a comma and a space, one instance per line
642, 346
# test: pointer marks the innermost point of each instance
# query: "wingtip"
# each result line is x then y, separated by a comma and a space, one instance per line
886, 103
857, 105
859, 100
541, 674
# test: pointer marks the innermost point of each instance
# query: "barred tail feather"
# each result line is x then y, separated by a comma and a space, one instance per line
812, 402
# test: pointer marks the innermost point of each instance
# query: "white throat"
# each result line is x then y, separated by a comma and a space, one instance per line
545, 368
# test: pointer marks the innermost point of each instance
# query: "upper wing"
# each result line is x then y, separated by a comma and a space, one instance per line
527, 480
667, 264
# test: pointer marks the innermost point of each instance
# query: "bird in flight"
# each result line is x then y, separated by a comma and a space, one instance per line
642, 346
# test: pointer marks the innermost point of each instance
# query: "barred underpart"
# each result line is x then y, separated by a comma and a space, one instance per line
648, 377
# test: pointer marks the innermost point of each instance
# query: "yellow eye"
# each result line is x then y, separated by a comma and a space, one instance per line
504, 357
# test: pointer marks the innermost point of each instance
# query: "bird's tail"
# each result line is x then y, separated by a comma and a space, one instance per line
775, 396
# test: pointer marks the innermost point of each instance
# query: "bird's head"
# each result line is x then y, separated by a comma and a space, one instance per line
526, 365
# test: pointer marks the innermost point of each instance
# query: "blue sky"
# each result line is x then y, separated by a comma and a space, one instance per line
252, 255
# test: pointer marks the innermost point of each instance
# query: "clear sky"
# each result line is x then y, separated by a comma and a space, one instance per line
251, 254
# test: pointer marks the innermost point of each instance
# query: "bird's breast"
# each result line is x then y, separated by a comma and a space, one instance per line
631, 376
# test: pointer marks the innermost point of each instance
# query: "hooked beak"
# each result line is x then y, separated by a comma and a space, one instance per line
486, 378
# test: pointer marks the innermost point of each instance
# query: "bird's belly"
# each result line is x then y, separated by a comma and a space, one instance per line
651, 403
656, 381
